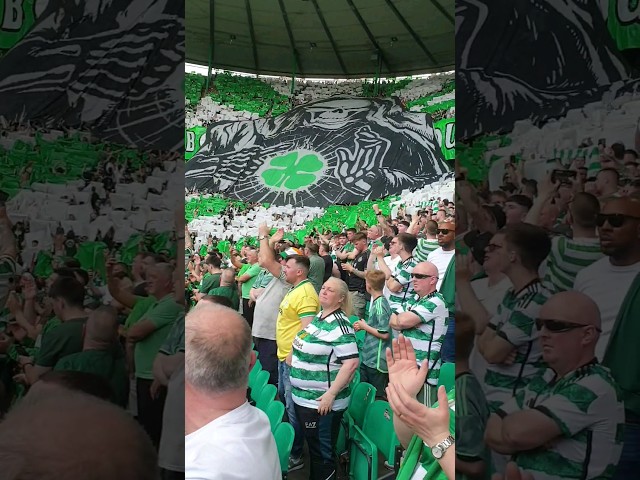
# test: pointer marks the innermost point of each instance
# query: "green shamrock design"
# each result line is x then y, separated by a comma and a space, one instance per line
292, 171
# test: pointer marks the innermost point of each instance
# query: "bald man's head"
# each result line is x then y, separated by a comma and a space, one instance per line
566, 337
425, 278
218, 349
102, 326
228, 277
68, 433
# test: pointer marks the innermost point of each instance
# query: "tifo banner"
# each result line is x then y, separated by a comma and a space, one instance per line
16, 18
333, 151
193, 139
624, 23
446, 134
507, 61
112, 66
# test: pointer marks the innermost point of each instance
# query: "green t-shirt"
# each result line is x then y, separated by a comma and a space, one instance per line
316, 272
163, 315
210, 281
230, 292
109, 364
63, 340
253, 271
139, 309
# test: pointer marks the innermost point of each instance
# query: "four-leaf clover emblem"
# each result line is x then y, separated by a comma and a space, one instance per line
292, 171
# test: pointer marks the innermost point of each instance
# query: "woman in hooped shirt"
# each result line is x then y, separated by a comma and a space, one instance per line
324, 360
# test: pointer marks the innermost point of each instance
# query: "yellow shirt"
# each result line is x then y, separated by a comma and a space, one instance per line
299, 302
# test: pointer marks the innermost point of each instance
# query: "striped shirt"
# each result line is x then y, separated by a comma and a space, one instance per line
427, 336
424, 248
374, 348
587, 407
515, 323
318, 353
402, 275
567, 258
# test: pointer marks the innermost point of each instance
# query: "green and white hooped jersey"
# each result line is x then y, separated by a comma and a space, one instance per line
515, 323
318, 352
567, 258
424, 248
427, 337
587, 406
402, 275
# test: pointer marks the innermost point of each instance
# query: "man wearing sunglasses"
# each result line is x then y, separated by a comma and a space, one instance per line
565, 423
424, 321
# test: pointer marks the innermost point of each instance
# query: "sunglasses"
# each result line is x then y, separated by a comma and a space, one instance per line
421, 276
444, 231
559, 326
616, 220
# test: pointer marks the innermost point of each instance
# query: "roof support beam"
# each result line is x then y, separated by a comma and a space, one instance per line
285, 17
211, 40
253, 36
369, 34
443, 11
412, 32
331, 40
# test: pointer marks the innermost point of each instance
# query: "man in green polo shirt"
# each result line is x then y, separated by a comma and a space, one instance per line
148, 334
67, 298
227, 288
246, 278
101, 354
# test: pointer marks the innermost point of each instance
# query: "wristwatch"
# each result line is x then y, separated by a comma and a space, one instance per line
262, 237
438, 450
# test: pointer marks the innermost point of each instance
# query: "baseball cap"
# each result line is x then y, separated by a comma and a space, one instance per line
291, 251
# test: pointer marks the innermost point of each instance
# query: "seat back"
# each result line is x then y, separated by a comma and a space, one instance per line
378, 426
363, 458
284, 441
362, 396
447, 375
267, 396
275, 413
257, 368
259, 383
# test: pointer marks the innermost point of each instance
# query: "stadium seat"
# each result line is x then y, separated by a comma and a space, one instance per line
447, 375
257, 368
362, 465
258, 385
284, 441
267, 395
275, 413
362, 396
377, 430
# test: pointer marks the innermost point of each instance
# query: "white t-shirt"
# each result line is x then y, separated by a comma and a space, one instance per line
391, 262
607, 285
441, 259
236, 446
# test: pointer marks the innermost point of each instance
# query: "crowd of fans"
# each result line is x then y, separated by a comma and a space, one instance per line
110, 327
303, 303
546, 291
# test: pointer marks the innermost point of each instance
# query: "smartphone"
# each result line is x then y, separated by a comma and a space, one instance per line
563, 176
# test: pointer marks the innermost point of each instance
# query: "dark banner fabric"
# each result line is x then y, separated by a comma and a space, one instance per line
335, 151
530, 60
113, 67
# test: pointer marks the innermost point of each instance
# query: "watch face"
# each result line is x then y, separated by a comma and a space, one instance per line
437, 452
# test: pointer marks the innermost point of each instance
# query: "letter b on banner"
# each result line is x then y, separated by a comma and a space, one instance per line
16, 19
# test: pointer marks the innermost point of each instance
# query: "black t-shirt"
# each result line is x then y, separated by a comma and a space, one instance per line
357, 284
328, 267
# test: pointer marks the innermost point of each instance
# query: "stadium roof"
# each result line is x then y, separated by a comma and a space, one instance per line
324, 38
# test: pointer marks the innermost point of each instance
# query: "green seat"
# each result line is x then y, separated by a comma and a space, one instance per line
363, 451
257, 368
362, 396
267, 395
275, 413
284, 441
377, 430
447, 375
258, 385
